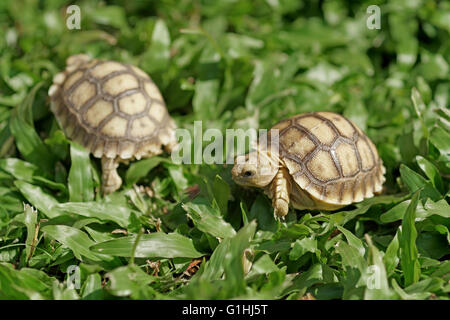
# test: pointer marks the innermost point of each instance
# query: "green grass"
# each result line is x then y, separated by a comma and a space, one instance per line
232, 64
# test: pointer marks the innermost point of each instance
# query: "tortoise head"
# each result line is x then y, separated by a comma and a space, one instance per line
255, 169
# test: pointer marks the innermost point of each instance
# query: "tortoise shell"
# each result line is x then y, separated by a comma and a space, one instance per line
330, 158
111, 108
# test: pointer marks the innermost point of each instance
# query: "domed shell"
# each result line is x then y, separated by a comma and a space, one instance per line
329, 157
111, 108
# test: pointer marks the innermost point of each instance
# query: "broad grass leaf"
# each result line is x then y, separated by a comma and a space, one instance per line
221, 191
92, 288
208, 220
108, 15
432, 173
262, 211
81, 185
30, 145
27, 140
21, 285
158, 56
415, 181
395, 213
75, 239
430, 208
128, 281
207, 85
176, 173
97, 235
432, 244
441, 139
263, 265
303, 246
409, 254
102, 210
305, 280
244, 212
430, 284
6, 141
234, 268
353, 240
19, 169
28, 172
391, 256
39, 199
420, 290
296, 231
158, 244
405, 296
30, 220
310, 34
214, 267
420, 108
140, 169
377, 286
443, 270
355, 267
342, 217
407, 148
441, 208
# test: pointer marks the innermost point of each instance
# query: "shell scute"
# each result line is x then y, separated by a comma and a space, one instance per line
71, 79
348, 161
98, 112
344, 127
119, 84
115, 127
322, 166
103, 69
133, 104
319, 129
366, 154
142, 127
157, 112
82, 94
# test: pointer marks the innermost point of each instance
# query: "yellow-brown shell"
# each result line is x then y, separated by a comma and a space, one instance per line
330, 158
111, 108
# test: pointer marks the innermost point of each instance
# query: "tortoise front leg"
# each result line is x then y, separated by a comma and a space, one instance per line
111, 180
280, 189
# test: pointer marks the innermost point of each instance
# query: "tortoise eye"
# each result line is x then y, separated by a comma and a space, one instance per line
249, 173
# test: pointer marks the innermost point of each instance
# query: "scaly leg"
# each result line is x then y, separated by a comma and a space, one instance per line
281, 188
111, 180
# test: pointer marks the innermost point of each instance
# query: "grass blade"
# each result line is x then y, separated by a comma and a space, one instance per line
409, 254
81, 185
158, 244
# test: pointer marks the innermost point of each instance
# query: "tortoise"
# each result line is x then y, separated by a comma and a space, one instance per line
320, 160
114, 110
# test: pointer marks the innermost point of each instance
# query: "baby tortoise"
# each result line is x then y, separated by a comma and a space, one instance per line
323, 161
114, 110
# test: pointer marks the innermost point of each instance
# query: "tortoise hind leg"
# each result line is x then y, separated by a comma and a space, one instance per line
111, 180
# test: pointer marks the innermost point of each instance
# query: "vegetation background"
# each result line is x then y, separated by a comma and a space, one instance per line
233, 64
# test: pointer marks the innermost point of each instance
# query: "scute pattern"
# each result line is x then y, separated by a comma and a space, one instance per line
114, 109
330, 157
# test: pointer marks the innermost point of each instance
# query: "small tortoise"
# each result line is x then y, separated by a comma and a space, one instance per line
112, 109
323, 161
